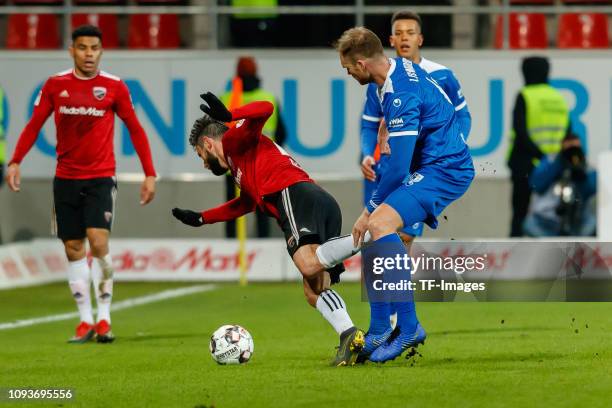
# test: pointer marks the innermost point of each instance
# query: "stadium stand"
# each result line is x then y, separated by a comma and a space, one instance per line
585, 2
37, 2
108, 23
162, 2
33, 31
527, 30
581, 30
154, 31
532, 2
99, 2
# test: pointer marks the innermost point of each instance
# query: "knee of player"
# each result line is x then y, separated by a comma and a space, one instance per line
307, 262
377, 227
74, 247
99, 246
310, 269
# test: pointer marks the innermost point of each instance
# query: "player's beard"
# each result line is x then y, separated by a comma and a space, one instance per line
214, 165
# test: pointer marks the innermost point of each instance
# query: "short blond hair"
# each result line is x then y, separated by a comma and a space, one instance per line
359, 42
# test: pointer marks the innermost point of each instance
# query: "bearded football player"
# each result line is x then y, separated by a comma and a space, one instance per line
270, 179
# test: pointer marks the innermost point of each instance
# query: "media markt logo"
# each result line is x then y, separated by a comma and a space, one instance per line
81, 110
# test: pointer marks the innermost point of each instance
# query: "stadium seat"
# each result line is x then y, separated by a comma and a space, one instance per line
581, 30
532, 2
585, 2
99, 2
33, 31
162, 2
526, 31
154, 31
37, 2
106, 22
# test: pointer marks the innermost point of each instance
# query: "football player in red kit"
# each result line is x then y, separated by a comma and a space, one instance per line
270, 179
84, 101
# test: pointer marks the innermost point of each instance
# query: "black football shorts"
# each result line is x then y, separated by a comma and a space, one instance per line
81, 204
309, 215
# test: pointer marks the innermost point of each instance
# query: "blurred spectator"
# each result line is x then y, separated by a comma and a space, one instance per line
246, 89
540, 121
563, 187
254, 30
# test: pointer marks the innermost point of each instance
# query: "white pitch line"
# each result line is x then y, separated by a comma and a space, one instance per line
124, 304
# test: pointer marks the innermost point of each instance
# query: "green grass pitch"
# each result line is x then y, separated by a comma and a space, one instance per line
476, 354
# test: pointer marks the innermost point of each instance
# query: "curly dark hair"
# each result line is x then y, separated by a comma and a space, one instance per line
206, 126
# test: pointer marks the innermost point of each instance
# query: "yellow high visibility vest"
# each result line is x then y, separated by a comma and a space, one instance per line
547, 117
255, 4
269, 128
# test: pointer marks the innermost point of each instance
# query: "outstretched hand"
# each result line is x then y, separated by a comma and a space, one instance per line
215, 108
188, 217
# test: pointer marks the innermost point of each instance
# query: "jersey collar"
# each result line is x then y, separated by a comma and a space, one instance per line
77, 76
388, 85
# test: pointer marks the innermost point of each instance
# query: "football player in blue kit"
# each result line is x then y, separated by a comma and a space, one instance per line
407, 39
429, 167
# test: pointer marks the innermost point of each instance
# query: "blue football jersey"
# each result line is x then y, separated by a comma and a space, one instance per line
423, 130
447, 81
372, 111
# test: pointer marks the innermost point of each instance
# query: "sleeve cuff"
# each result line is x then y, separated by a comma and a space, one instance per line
371, 206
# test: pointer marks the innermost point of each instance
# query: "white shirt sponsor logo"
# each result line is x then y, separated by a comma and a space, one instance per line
397, 122
397, 102
81, 111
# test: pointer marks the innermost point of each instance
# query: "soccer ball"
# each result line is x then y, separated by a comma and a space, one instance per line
231, 344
